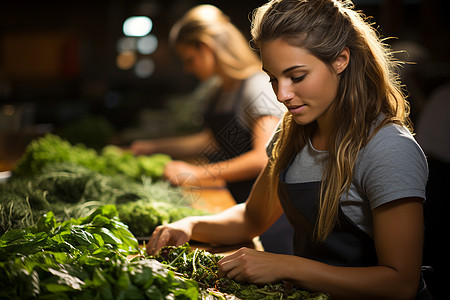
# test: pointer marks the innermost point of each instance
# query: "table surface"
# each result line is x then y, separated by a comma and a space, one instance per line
215, 199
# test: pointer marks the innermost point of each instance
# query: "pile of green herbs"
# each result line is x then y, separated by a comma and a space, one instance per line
201, 266
74, 191
85, 258
73, 180
97, 257
110, 160
69, 216
196, 264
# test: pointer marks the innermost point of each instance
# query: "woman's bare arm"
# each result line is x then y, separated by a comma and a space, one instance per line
249, 164
398, 228
243, 167
238, 224
177, 147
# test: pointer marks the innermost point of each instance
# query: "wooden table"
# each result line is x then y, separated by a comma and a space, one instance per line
210, 199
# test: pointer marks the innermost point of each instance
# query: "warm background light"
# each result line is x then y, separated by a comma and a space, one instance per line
126, 60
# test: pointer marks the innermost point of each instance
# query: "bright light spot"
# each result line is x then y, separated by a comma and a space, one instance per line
137, 26
144, 68
147, 44
126, 60
126, 44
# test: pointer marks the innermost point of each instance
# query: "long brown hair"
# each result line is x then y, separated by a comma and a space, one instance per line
209, 25
368, 88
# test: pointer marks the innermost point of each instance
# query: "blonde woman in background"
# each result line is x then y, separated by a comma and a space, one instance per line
343, 167
242, 114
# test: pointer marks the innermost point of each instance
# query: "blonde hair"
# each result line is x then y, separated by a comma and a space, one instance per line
209, 25
368, 88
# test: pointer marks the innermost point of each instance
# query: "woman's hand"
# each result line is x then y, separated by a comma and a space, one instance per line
174, 234
183, 173
143, 147
250, 265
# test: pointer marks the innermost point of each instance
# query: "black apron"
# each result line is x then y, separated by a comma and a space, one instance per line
347, 245
235, 139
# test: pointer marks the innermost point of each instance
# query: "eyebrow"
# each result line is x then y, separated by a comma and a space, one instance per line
288, 69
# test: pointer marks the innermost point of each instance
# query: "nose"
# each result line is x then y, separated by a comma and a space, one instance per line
284, 92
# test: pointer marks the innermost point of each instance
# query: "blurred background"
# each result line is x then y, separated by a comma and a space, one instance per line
71, 67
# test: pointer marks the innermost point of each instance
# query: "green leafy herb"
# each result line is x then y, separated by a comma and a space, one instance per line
81, 259
266, 292
198, 265
74, 191
201, 266
110, 161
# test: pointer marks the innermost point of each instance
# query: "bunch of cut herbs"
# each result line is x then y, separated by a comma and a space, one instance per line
110, 160
201, 266
85, 258
73, 191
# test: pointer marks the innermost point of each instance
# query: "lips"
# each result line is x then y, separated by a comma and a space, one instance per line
295, 109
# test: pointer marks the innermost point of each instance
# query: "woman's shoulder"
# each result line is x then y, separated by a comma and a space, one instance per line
393, 146
391, 166
391, 135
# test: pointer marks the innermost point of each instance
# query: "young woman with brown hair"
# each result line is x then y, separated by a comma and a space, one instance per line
343, 166
240, 116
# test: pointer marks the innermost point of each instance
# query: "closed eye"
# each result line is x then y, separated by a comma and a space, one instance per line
298, 79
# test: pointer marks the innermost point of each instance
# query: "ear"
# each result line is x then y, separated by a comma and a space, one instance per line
341, 62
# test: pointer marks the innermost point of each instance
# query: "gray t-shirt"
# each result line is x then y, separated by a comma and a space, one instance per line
391, 166
258, 99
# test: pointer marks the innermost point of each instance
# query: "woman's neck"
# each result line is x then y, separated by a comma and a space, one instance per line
319, 142
322, 134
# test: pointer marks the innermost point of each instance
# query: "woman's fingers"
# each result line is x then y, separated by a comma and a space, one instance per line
152, 243
174, 234
229, 266
250, 265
